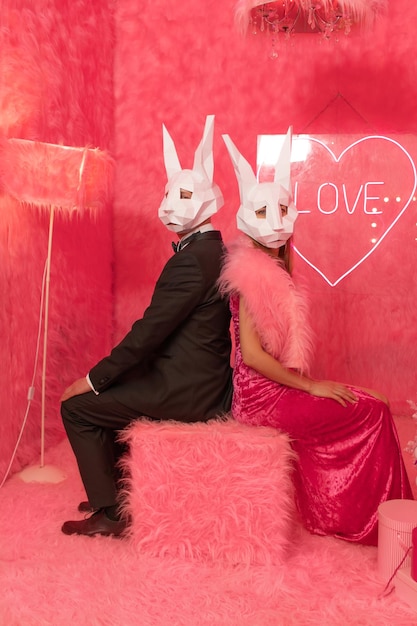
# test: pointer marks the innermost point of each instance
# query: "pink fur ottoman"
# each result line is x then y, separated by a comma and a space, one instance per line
210, 491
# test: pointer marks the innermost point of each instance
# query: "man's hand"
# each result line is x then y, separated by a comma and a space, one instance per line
77, 388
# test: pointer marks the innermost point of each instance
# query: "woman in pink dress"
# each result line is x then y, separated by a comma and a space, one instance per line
349, 456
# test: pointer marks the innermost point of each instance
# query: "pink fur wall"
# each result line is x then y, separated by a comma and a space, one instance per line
76, 73
56, 86
177, 62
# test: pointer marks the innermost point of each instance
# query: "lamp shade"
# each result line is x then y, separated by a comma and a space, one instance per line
65, 177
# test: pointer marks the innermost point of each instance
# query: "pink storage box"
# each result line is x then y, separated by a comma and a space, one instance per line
396, 520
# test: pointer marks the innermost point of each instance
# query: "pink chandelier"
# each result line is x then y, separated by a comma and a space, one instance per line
325, 17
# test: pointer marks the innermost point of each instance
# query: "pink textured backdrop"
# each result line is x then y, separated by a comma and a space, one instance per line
177, 62
92, 73
56, 86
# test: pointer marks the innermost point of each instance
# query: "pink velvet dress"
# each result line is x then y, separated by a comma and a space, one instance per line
349, 458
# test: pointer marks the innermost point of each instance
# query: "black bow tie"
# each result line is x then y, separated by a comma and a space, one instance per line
184, 242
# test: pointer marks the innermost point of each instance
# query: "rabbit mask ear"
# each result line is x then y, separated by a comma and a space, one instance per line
203, 158
283, 164
171, 160
266, 212
191, 197
244, 173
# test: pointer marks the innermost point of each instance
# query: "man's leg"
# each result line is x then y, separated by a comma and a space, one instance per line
91, 422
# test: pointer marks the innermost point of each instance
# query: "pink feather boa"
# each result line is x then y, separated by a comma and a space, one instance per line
277, 308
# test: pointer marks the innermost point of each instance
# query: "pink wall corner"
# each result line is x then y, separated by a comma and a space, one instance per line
56, 87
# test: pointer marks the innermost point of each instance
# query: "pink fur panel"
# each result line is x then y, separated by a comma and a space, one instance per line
56, 64
210, 491
200, 64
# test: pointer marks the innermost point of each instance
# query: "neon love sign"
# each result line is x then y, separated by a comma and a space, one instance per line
349, 208
348, 204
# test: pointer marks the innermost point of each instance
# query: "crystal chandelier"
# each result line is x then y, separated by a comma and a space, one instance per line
286, 17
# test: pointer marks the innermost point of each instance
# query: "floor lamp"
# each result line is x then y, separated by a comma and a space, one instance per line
57, 178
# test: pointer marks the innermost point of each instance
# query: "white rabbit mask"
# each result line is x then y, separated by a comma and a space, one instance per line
267, 212
191, 196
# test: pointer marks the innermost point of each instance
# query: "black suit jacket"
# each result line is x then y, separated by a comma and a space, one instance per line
175, 361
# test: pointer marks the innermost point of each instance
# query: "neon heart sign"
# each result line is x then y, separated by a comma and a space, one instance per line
349, 203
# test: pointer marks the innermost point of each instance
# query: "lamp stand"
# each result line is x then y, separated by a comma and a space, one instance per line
44, 473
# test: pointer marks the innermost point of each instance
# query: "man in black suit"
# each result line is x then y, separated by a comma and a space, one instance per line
175, 361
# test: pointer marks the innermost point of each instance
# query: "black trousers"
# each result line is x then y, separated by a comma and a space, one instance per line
92, 423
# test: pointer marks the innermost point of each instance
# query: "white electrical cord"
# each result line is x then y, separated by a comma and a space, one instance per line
31, 390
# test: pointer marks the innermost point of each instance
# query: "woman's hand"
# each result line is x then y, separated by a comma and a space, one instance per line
333, 390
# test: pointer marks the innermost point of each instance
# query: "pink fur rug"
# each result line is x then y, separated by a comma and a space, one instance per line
49, 579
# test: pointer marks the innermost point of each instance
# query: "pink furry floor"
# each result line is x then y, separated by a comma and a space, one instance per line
47, 578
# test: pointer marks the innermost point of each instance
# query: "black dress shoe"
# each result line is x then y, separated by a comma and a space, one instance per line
85, 507
97, 524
